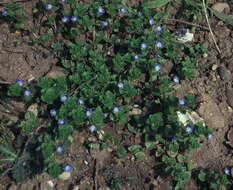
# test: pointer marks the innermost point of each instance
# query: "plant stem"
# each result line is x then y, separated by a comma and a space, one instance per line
185, 22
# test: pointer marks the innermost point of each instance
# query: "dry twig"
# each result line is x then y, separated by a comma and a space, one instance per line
16, 1
185, 22
24, 149
204, 7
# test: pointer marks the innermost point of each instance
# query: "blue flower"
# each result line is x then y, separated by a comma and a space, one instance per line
93, 128
144, 45
63, 1
139, 14
158, 29
65, 19
89, 112
121, 85
123, 10
116, 109
189, 129
4, 12
227, 171
53, 112
48, 6
20, 82
27, 93
74, 19
136, 57
151, 21
182, 101
159, 44
210, 136
64, 98
101, 10
61, 121
105, 115
176, 79
104, 23
173, 139
60, 149
157, 67
67, 167
80, 101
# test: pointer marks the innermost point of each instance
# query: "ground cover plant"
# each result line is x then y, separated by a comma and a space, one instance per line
111, 53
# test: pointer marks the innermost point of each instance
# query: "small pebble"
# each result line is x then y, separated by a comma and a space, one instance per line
220, 7
64, 176
100, 135
33, 108
76, 187
94, 149
92, 139
85, 162
57, 71
224, 73
231, 171
229, 95
70, 138
205, 55
135, 111
214, 67
50, 183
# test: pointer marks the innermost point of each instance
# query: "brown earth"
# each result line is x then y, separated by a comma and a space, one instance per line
209, 87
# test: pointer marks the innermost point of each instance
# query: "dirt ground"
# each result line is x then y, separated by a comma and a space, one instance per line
211, 87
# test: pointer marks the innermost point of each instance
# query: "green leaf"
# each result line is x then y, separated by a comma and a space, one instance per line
174, 148
98, 117
140, 156
121, 152
202, 175
48, 149
14, 90
222, 16
8, 151
155, 4
30, 124
122, 118
78, 115
156, 120
55, 169
6, 160
108, 99
19, 173
180, 158
149, 144
134, 148
187, 175
45, 82
64, 132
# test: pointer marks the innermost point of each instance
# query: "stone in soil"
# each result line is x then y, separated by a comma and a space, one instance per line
33, 108
224, 73
56, 71
230, 137
94, 149
222, 32
12, 187
64, 176
220, 7
229, 95
210, 112
92, 139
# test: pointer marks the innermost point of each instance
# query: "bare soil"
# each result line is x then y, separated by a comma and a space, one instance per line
26, 61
